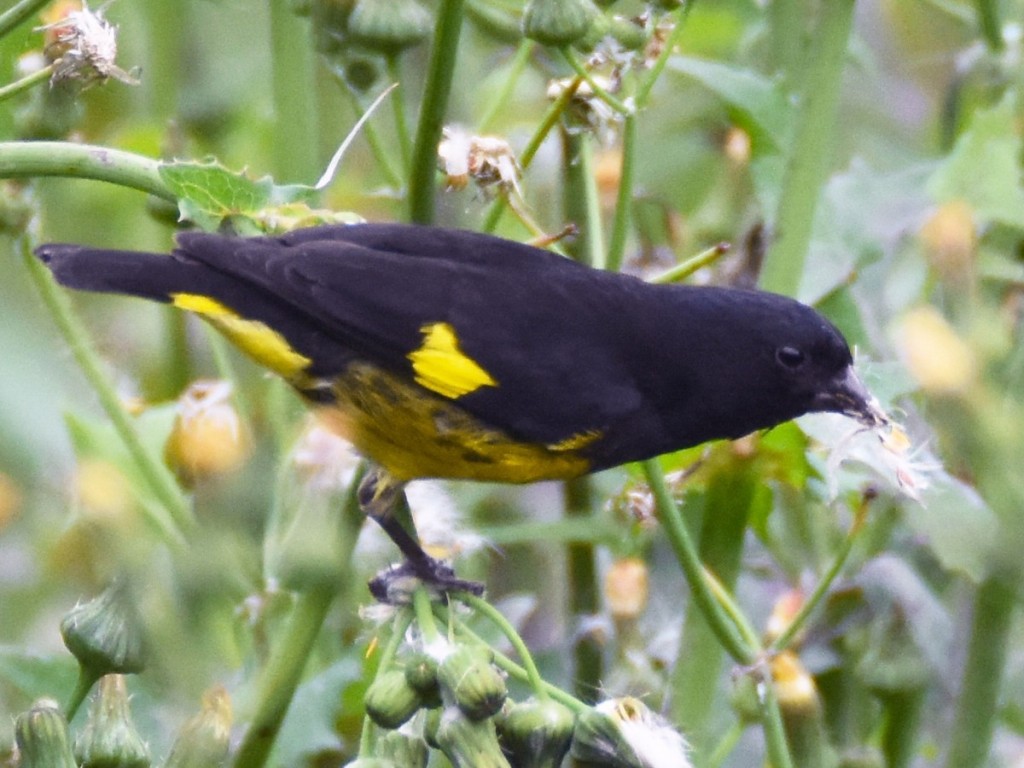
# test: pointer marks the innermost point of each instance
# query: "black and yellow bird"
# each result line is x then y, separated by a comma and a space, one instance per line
451, 354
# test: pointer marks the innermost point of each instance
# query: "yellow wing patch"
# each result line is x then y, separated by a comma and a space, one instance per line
441, 367
256, 339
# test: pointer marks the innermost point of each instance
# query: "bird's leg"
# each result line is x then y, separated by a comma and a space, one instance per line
383, 499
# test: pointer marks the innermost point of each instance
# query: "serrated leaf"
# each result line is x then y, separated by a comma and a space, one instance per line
759, 104
208, 192
984, 166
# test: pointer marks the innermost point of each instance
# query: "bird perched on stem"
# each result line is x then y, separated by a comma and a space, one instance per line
451, 354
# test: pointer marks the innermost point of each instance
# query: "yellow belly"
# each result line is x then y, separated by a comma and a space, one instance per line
414, 434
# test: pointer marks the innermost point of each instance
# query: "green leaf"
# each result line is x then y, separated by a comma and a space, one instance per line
33, 675
984, 166
958, 525
208, 193
759, 104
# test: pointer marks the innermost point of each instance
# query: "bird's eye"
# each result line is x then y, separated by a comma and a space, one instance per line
790, 357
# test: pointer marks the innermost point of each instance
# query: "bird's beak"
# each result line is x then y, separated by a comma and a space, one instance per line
848, 395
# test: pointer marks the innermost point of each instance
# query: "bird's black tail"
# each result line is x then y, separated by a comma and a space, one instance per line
135, 273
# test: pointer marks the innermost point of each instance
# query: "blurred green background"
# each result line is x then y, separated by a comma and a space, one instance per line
914, 251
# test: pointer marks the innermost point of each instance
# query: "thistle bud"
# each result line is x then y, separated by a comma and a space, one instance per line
207, 438
389, 26
801, 709
536, 732
421, 674
109, 739
390, 700
625, 588
558, 22
402, 749
469, 743
104, 634
469, 679
203, 740
42, 737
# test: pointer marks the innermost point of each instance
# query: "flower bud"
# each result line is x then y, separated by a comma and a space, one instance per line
42, 737
104, 634
801, 708
421, 674
402, 749
536, 732
109, 739
207, 438
469, 743
558, 22
389, 26
203, 740
625, 588
950, 241
469, 679
940, 361
390, 700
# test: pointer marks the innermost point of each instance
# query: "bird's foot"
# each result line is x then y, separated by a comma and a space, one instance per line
395, 585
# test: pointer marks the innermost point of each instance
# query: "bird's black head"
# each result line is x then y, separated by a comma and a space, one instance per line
764, 359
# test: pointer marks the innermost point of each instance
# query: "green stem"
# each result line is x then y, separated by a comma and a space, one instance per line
726, 745
295, 110
686, 268
991, 28
903, 711
774, 729
810, 152
501, 97
824, 583
399, 627
520, 673
20, 159
13, 89
532, 673
787, 29
686, 553
156, 476
619, 106
86, 680
443, 56
580, 202
424, 615
978, 704
624, 196
727, 505
18, 13
643, 91
550, 119
284, 669
281, 676
394, 64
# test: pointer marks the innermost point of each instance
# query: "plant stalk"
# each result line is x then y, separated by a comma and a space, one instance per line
440, 71
810, 153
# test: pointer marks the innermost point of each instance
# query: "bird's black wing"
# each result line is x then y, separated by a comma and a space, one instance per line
549, 333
